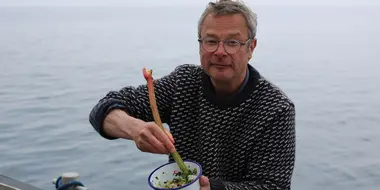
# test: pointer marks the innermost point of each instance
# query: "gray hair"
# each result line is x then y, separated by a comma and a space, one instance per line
227, 7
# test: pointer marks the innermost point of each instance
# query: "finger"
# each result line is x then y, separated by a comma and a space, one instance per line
145, 143
204, 183
149, 148
155, 144
169, 135
164, 139
142, 145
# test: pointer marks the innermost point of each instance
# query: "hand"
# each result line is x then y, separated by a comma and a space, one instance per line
150, 138
204, 183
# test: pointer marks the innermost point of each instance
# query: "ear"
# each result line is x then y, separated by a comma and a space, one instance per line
199, 48
253, 45
252, 48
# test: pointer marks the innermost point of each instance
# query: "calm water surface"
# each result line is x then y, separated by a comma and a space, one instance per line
56, 63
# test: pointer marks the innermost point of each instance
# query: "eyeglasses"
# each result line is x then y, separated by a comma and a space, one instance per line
210, 44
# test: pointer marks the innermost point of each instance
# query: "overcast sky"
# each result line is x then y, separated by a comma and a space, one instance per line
178, 2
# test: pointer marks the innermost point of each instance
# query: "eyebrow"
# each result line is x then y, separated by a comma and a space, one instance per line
237, 33
232, 34
211, 35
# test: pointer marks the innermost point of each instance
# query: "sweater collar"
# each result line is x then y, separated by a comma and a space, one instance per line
243, 93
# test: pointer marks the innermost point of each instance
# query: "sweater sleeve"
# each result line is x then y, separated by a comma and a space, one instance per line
135, 102
276, 160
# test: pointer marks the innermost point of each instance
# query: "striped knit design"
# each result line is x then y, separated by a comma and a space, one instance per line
243, 143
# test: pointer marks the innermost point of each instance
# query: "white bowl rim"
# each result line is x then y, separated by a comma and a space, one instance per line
192, 161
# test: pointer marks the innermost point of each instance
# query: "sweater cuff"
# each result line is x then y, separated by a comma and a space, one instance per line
216, 184
97, 118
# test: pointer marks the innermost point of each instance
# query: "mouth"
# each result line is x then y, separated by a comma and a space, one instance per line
220, 65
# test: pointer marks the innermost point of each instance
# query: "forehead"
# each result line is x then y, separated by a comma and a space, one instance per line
225, 25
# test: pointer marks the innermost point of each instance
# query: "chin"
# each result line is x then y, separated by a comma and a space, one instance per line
220, 76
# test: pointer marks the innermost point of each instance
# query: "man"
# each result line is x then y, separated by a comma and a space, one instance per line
222, 114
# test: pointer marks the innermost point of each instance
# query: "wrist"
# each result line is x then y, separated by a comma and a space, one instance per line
119, 124
131, 127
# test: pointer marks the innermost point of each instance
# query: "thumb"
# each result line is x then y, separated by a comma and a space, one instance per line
204, 183
169, 135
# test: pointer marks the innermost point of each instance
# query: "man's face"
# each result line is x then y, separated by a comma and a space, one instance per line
220, 65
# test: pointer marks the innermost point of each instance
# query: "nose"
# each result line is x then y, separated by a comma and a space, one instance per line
220, 52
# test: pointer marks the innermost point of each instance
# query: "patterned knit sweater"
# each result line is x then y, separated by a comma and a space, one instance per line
242, 142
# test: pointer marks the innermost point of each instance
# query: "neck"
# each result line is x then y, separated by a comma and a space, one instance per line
229, 88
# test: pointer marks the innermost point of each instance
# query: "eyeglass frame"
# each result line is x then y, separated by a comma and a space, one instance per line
200, 40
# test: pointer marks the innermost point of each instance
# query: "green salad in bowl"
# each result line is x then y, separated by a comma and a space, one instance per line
169, 176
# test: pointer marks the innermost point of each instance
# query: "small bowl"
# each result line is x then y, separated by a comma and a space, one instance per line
166, 172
